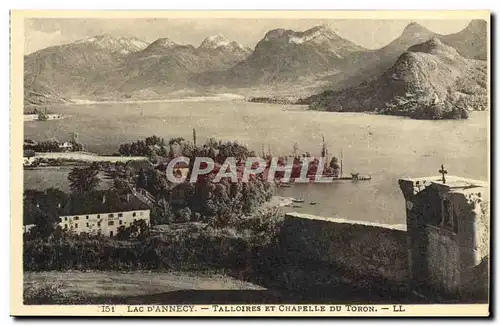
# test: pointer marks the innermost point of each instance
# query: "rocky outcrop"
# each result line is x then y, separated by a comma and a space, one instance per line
429, 81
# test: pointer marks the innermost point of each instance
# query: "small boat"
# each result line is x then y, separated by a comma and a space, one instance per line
297, 206
313, 203
285, 185
295, 200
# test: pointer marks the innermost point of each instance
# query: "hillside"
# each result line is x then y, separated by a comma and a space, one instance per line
115, 67
82, 67
430, 80
471, 43
38, 94
165, 66
367, 65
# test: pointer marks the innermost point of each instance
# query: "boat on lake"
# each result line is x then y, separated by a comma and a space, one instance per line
354, 177
283, 185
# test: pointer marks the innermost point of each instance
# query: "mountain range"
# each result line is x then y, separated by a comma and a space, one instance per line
471, 42
108, 67
113, 67
284, 55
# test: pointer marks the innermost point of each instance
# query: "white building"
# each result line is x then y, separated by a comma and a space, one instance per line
28, 157
66, 146
103, 215
28, 161
28, 227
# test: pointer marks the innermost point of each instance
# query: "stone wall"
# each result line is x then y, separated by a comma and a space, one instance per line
441, 253
366, 254
442, 260
448, 231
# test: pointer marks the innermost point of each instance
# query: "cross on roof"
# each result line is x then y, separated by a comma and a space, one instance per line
443, 172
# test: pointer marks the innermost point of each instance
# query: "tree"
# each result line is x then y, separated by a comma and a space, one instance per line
77, 145
43, 208
45, 226
194, 138
29, 153
141, 182
184, 215
84, 180
162, 213
50, 145
158, 184
150, 147
139, 229
123, 233
121, 185
334, 164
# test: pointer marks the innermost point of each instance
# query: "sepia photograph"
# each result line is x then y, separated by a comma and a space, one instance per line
250, 163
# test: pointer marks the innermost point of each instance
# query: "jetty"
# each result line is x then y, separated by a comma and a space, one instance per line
352, 177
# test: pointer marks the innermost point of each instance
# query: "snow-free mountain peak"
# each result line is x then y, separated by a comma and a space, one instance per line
477, 24
414, 29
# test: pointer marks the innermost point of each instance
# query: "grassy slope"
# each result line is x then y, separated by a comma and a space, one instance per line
115, 286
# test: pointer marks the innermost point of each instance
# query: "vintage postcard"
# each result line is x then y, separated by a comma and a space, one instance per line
250, 163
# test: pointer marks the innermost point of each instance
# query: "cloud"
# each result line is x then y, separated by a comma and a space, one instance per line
35, 38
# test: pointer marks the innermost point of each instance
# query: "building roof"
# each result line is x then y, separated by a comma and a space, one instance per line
103, 202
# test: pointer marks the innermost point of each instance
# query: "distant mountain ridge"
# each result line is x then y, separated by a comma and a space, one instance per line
123, 45
285, 54
108, 67
82, 67
471, 42
219, 42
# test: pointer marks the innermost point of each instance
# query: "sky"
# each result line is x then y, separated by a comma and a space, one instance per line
44, 32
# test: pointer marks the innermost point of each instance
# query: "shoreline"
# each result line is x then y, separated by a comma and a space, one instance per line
201, 98
86, 157
278, 201
50, 117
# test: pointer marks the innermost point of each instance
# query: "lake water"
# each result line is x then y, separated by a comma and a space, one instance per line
386, 147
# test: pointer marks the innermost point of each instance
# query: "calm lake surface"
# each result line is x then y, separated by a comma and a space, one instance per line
386, 147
